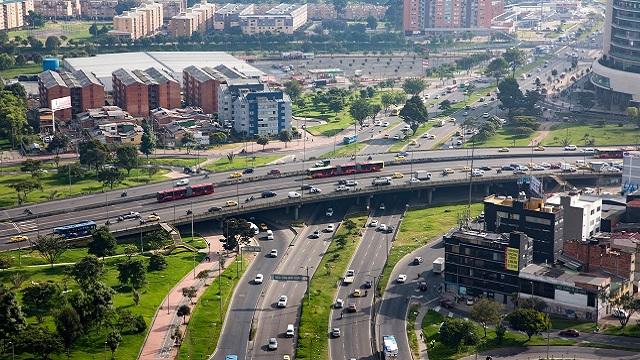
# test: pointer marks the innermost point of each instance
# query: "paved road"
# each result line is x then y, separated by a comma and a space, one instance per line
556, 352
306, 252
368, 261
237, 324
179, 208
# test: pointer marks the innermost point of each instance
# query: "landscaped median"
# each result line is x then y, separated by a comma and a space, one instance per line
241, 162
422, 129
431, 326
344, 151
418, 227
314, 319
207, 319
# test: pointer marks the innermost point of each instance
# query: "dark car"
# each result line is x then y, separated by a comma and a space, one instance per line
342, 182
389, 230
215, 208
352, 308
367, 284
306, 187
247, 171
485, 168
423, 286
570, 333
268, 194
274, 172
507, 167
418, 260
446, 303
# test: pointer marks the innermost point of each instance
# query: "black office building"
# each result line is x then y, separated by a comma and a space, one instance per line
485, 264
541, 222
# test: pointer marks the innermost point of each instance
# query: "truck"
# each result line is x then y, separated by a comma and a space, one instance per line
389, 347
438, 265
348, 277
381, 181
565, 167
423, 175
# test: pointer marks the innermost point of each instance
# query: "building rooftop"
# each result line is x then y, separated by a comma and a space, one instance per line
51, 78
532, 204
127, 77
233, 8
86, 78
561, 276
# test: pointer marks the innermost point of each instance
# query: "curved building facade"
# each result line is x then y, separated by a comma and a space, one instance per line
616, 75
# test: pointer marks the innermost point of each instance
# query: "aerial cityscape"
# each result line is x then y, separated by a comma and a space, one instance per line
324, 180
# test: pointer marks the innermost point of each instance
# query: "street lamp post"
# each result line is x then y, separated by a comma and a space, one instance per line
13, 350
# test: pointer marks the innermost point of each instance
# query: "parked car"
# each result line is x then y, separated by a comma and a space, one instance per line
446, 303
569, 333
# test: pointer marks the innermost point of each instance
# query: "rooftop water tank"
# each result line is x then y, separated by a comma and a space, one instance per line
51, 63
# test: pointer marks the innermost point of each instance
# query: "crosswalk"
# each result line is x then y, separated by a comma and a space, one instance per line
27, 226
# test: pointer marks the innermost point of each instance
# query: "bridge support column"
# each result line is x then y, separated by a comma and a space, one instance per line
295, 212
286, 210
358, 200
487, 189
429, 196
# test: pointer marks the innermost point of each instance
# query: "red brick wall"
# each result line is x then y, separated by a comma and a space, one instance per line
169, 95
595, 257
202, 94
92, 97
46, 95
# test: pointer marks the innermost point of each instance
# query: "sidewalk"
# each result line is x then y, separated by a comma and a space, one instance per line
158, 343
422, 346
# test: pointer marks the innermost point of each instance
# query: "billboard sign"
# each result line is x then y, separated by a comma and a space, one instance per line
286, 277
61, 103
511, 258
535, 186
252, 249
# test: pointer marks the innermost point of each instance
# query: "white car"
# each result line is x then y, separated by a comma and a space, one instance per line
182, 182
589, 150
339, 304
282, 301
335, 332
342, 188
385, 124
377, 123
485, 115
373, 223
258, 279
274, 253
570, 148
382, 207
466, 113
330, 228
382, 227
329, 212
414, 180
396, 137
269, 234
293, 195
273, 344
402, 278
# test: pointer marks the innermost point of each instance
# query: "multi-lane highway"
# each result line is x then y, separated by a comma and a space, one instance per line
368, 261
237, 324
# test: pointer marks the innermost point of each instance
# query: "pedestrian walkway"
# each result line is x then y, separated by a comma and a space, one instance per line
422, 346
158, 343
555, 352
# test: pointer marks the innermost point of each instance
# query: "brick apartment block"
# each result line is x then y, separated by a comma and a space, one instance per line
85, 89
139, 91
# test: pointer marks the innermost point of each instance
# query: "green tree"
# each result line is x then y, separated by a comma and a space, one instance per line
38, 299
88, 271
335, 104
58, 144
34, 19
16, 89
34, 167
514, 57
414, 86
509, 95
236, 232
387, 99
34, 43
157, 262
148, 141
634, 114
217, 138
458, 332
184, 311
70, 173
50, 247
127, 157
293, 88
102, 243
52, 43
414, 111
113, 341
629, 304
93, 304
13, 116
93, 153
12, 320
68, 326
360, 109
285, 136
529, 321
372, 23
24, 187
444, 105
132, 272
496, 69
189, 292
110, 176
40, 341
6, 61
262, 140
501, 330
486, 312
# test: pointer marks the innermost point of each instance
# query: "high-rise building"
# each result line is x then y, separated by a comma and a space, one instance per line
58, 9
197, 18
423, 15
85, 90
98, 9
141, 21
542, 222
139, 91
228, 16
283, 18
201, 86
12, 13
616, 75
485, 264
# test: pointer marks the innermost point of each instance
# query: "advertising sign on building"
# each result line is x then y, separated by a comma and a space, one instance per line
61, 103
535, 186
511, 258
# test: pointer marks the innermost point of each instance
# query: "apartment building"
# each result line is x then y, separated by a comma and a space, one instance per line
228, 16
283, 18
139, 91
582, 214
98, 9
197, 18
542, 222
84, 88
201, 86
253, 108
58, 9
118, 133
171, 8
485, 264
141, 21
425, 15
12, 13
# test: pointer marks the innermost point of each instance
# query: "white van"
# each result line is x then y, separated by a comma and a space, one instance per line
269, 235
620, 313
290, 331
293, 195
182, 182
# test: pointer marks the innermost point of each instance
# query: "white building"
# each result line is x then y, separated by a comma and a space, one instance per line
582, 215
631, 171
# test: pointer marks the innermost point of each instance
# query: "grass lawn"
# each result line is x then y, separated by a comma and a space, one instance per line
422, 129
197, 241
314, 319
70, 29
629, 330
411, 334
344, 151
204, 327
238, 163
336, 122
505, 137
430, 328
55, 188
28, 257
26, 69
559, 324
176, 161
602, 135
90, 346
420, 226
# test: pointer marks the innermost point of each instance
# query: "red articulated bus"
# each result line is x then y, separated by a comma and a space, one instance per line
608, 153
184, 192
345, 169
